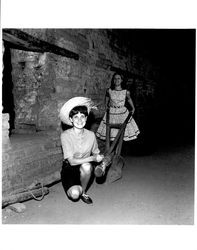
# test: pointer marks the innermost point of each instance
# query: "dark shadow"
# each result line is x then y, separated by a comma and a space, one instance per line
7, 88
53, 183
90, 121
138, 147
65, 126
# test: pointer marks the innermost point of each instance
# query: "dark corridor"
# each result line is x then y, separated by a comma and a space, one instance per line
176, 99
172, 118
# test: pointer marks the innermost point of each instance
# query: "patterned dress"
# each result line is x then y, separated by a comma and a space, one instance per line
117, 114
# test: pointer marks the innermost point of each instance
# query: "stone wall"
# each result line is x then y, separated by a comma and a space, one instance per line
43, 82
26, 159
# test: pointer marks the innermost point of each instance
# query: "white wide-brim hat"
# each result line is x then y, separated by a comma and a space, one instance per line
70, 104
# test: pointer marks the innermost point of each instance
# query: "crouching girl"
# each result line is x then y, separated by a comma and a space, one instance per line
80, 149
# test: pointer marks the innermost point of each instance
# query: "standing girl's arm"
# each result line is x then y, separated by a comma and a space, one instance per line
107, 98
130, 102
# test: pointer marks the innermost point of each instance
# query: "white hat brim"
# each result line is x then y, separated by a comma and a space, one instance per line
70, 104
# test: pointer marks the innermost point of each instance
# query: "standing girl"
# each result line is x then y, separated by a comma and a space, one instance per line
115, 100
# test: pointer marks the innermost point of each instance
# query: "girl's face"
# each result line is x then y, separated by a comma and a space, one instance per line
117, 80
79, 120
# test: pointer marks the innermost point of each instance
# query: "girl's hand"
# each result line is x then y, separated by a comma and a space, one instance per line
99, 158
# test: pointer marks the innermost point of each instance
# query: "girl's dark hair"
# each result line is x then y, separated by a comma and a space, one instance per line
112, 80
78, 109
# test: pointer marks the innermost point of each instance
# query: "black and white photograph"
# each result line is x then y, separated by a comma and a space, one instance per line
138, 170
98, 125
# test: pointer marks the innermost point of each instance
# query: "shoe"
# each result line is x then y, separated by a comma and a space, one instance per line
86, 198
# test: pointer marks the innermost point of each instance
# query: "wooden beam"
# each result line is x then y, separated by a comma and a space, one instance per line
18, 39
15, 198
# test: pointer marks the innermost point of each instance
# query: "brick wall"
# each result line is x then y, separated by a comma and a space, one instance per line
43, 82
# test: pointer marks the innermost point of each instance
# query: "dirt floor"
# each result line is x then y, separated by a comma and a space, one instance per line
156, 189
